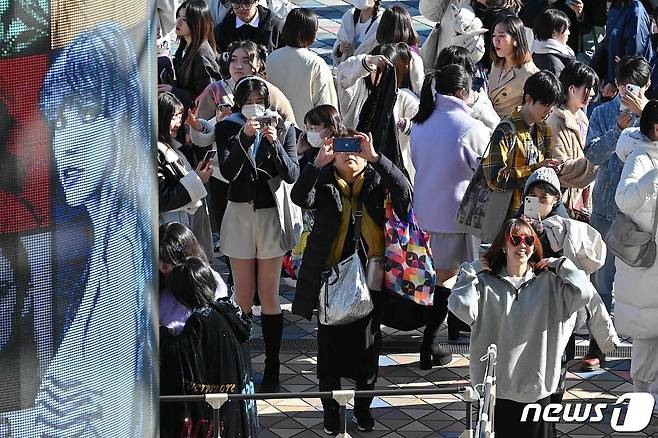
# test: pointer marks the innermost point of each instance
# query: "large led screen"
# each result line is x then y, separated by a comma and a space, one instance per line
76, 219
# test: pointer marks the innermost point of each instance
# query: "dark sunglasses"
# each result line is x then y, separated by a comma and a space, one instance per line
516, 239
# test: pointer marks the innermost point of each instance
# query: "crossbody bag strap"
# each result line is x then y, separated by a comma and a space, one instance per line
358, 217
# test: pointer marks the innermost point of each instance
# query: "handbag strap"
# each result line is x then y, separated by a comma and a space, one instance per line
358, 217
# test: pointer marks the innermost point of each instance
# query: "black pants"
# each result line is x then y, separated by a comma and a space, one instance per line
218, 200
333, 384
507, 420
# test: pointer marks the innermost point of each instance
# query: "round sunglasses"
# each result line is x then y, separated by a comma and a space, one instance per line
516, 239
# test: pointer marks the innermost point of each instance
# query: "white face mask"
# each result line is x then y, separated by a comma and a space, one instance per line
314, 139
362, 4
253, 110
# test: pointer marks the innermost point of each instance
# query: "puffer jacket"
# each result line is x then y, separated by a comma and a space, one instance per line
636, 299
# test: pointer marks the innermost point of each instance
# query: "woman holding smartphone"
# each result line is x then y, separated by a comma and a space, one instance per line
181, 191
216, 102
255, 150
333, 186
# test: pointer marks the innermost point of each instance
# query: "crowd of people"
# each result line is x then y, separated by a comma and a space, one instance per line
515, 138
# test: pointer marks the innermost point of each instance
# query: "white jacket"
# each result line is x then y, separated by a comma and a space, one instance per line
458, 26
347, 33
584, 246
636, 291
482, 109
352, 94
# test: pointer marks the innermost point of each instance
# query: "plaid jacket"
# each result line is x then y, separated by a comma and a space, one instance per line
503, 174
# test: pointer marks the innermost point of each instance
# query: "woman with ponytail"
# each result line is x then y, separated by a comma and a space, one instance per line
446, 143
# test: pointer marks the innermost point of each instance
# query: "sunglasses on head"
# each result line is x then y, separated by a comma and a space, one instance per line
516, 239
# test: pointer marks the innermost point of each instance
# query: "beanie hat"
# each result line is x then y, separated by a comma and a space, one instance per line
543, 174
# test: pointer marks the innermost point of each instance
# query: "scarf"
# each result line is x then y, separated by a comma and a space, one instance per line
370, 231
552, 46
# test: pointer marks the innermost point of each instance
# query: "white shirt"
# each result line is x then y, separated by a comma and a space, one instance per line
516, 281
253, 23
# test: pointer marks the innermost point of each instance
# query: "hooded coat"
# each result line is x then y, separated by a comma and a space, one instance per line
636, 300
189, 366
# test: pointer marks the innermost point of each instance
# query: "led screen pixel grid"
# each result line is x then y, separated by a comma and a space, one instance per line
76, 222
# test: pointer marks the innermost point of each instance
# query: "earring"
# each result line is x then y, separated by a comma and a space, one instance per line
504, 251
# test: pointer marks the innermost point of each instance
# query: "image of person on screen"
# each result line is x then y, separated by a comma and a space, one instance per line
99, 382
18, 351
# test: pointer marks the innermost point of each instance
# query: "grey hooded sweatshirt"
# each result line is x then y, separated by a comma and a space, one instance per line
530, 326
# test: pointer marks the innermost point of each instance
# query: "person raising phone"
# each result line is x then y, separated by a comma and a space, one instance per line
181, 191
333, 186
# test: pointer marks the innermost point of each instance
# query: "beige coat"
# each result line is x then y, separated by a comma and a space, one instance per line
303, 77
577, 172
506, 91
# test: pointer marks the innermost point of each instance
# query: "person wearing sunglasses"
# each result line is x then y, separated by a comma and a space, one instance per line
514, 298
248, 20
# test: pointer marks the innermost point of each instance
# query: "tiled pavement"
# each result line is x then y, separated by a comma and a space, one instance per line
408, 416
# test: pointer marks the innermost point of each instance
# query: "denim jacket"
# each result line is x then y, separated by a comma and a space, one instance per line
600, 147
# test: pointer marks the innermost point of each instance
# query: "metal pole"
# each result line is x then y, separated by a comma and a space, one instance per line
216, 401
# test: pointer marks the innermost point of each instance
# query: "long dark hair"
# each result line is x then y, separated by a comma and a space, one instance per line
168, 105
448, 81
396, 26
177, 242
199, 21
400, 56
193, 283
495, 255
514, 27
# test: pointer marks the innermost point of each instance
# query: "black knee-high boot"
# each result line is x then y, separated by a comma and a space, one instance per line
431, 353
272, 326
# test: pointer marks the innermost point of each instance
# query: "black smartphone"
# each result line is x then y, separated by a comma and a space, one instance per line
210, 155
347, 144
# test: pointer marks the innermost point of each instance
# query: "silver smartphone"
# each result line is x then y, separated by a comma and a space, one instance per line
531, 207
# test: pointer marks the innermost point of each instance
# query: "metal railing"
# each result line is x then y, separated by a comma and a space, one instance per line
216, 401
488, 404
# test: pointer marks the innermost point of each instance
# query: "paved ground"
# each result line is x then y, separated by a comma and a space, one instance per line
436, 416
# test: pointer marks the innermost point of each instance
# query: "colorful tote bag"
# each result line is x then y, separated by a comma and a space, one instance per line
409, 269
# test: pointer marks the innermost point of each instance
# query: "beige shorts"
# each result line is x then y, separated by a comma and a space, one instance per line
250, 234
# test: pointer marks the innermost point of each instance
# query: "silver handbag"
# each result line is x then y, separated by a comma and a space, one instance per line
345, 296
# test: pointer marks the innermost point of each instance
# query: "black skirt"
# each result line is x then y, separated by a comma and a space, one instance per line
351, 350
